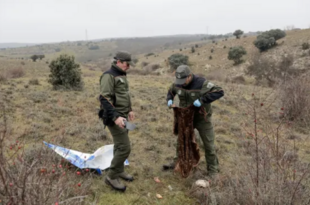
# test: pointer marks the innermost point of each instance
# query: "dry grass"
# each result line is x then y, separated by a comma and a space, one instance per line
32, 174
69, 119
16, 73
295, 100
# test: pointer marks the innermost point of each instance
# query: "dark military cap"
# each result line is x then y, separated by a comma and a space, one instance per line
181, 74
124, 56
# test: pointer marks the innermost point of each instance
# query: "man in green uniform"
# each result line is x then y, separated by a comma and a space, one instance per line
192, 89
115, 110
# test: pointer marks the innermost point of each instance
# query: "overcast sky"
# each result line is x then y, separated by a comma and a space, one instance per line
41, 21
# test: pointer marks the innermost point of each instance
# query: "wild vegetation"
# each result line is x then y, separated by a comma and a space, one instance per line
236, 53
268, 39
65, 73
261, 124
238, 33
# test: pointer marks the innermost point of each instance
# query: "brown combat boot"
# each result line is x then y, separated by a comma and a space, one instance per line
126, 176
115, 184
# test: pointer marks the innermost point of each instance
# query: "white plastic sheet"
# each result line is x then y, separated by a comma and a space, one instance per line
100, 159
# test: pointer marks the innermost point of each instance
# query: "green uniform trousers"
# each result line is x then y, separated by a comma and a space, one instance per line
205, 129
121, 150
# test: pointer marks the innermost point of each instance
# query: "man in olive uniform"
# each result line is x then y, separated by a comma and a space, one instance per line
192, 89
116, 107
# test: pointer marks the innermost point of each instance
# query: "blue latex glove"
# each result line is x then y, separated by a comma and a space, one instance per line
170, 102
197, 103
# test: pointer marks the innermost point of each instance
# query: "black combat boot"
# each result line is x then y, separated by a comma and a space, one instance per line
169, 166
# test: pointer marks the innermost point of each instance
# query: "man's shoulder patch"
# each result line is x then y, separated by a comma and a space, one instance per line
120, 79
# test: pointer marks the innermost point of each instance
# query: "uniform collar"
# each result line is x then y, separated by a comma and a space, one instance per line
118, 69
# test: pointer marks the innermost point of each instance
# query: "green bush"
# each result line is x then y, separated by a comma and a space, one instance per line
35, 57
263, 43
41, 57
149, 54
93, 47
236, 53
193, 49
305, 46
268, 39
177, 59
65, 73
238, 33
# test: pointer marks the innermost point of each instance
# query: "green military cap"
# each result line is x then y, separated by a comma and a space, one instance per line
181, 74
124, 56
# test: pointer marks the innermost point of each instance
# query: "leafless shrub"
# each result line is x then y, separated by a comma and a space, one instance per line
15, 72
3, 78
143, 64
34, 81
295, 98
269, 171
35, 175
238, 79
154, 66
263, 68
151, 68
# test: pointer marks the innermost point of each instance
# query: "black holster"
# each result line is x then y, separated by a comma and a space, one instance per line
107, 120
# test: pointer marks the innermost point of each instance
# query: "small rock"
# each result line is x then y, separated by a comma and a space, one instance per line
202, 183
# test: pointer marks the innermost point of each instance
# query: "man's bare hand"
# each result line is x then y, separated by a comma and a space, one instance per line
131, 116
120, 122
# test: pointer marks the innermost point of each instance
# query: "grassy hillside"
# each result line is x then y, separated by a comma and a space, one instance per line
92, 51
249, 117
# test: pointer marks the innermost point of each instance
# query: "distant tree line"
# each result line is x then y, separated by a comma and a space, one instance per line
35, 57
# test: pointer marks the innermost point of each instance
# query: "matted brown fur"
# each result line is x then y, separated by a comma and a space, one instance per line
188, 150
